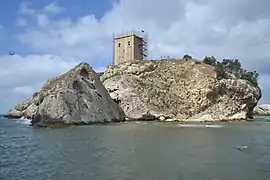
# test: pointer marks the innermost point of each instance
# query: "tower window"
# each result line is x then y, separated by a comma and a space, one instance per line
119, 44
129, 43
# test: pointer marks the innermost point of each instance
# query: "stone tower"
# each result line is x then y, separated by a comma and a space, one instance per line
129, 47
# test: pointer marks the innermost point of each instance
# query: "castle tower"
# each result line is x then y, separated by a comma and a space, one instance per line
129, 47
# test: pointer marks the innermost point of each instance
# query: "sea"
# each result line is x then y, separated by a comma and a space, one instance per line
136, 151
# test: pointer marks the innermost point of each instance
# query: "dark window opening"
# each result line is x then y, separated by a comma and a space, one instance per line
119, 44
129, 43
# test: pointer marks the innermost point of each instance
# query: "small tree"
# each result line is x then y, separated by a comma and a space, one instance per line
210, 61
229, 67
187, 57
221, 74
252, 77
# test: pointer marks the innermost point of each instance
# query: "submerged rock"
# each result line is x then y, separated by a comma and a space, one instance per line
241, 148
76, 97
178, 90
262, 110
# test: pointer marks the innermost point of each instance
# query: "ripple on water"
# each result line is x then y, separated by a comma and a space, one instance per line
24, 121
200, 125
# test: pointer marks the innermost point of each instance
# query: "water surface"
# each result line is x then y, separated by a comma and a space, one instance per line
135, 151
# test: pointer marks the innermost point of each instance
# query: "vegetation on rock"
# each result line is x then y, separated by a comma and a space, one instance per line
231, 67
187, 57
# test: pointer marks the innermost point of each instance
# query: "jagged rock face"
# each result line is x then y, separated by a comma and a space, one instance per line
25, 109
178, 90
76, 97
262, 110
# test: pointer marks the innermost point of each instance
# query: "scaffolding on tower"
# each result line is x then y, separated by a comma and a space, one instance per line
144, 45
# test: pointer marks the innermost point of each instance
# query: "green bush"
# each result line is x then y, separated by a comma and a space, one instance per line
221, 74
231, 67
210, 60
187, 57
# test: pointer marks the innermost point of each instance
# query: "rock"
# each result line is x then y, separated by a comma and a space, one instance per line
162, 118
76, 97
14, 113
25, 109
241, 148
262, 110
30, 111
171, 120
179, 89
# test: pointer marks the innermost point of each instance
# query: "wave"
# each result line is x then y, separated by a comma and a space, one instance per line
24, 120
258, 118
200, 125
139, 122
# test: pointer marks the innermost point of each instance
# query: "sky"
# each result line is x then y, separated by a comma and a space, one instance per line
49, 37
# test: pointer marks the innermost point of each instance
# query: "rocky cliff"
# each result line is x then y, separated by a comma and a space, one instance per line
185, 90
76, 97
262, 110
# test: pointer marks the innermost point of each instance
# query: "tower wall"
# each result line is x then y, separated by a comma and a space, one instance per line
128, 48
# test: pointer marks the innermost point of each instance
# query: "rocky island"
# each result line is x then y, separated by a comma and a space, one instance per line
76, 97
262, 110
180, 90
165, 90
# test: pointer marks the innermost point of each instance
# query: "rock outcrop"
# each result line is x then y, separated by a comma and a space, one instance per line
262, 110
178, 90
76, 97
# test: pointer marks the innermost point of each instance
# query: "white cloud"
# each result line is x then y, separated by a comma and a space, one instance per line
53, 8
82, 39
265, 85
21, 22
17, 71
2, 32
25, 9
24, 90
100, 69
43, 20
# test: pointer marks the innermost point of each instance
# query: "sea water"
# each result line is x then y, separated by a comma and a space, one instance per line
135, 151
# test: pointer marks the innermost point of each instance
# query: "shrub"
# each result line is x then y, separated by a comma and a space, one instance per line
187, 57
210, 60
229, 67
221, 74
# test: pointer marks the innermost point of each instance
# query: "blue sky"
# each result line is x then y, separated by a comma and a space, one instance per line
10, 12
51, 36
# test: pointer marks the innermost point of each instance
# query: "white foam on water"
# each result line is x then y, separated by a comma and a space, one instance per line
200, 125
140, 122
27, 121
24, 120
241, 148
